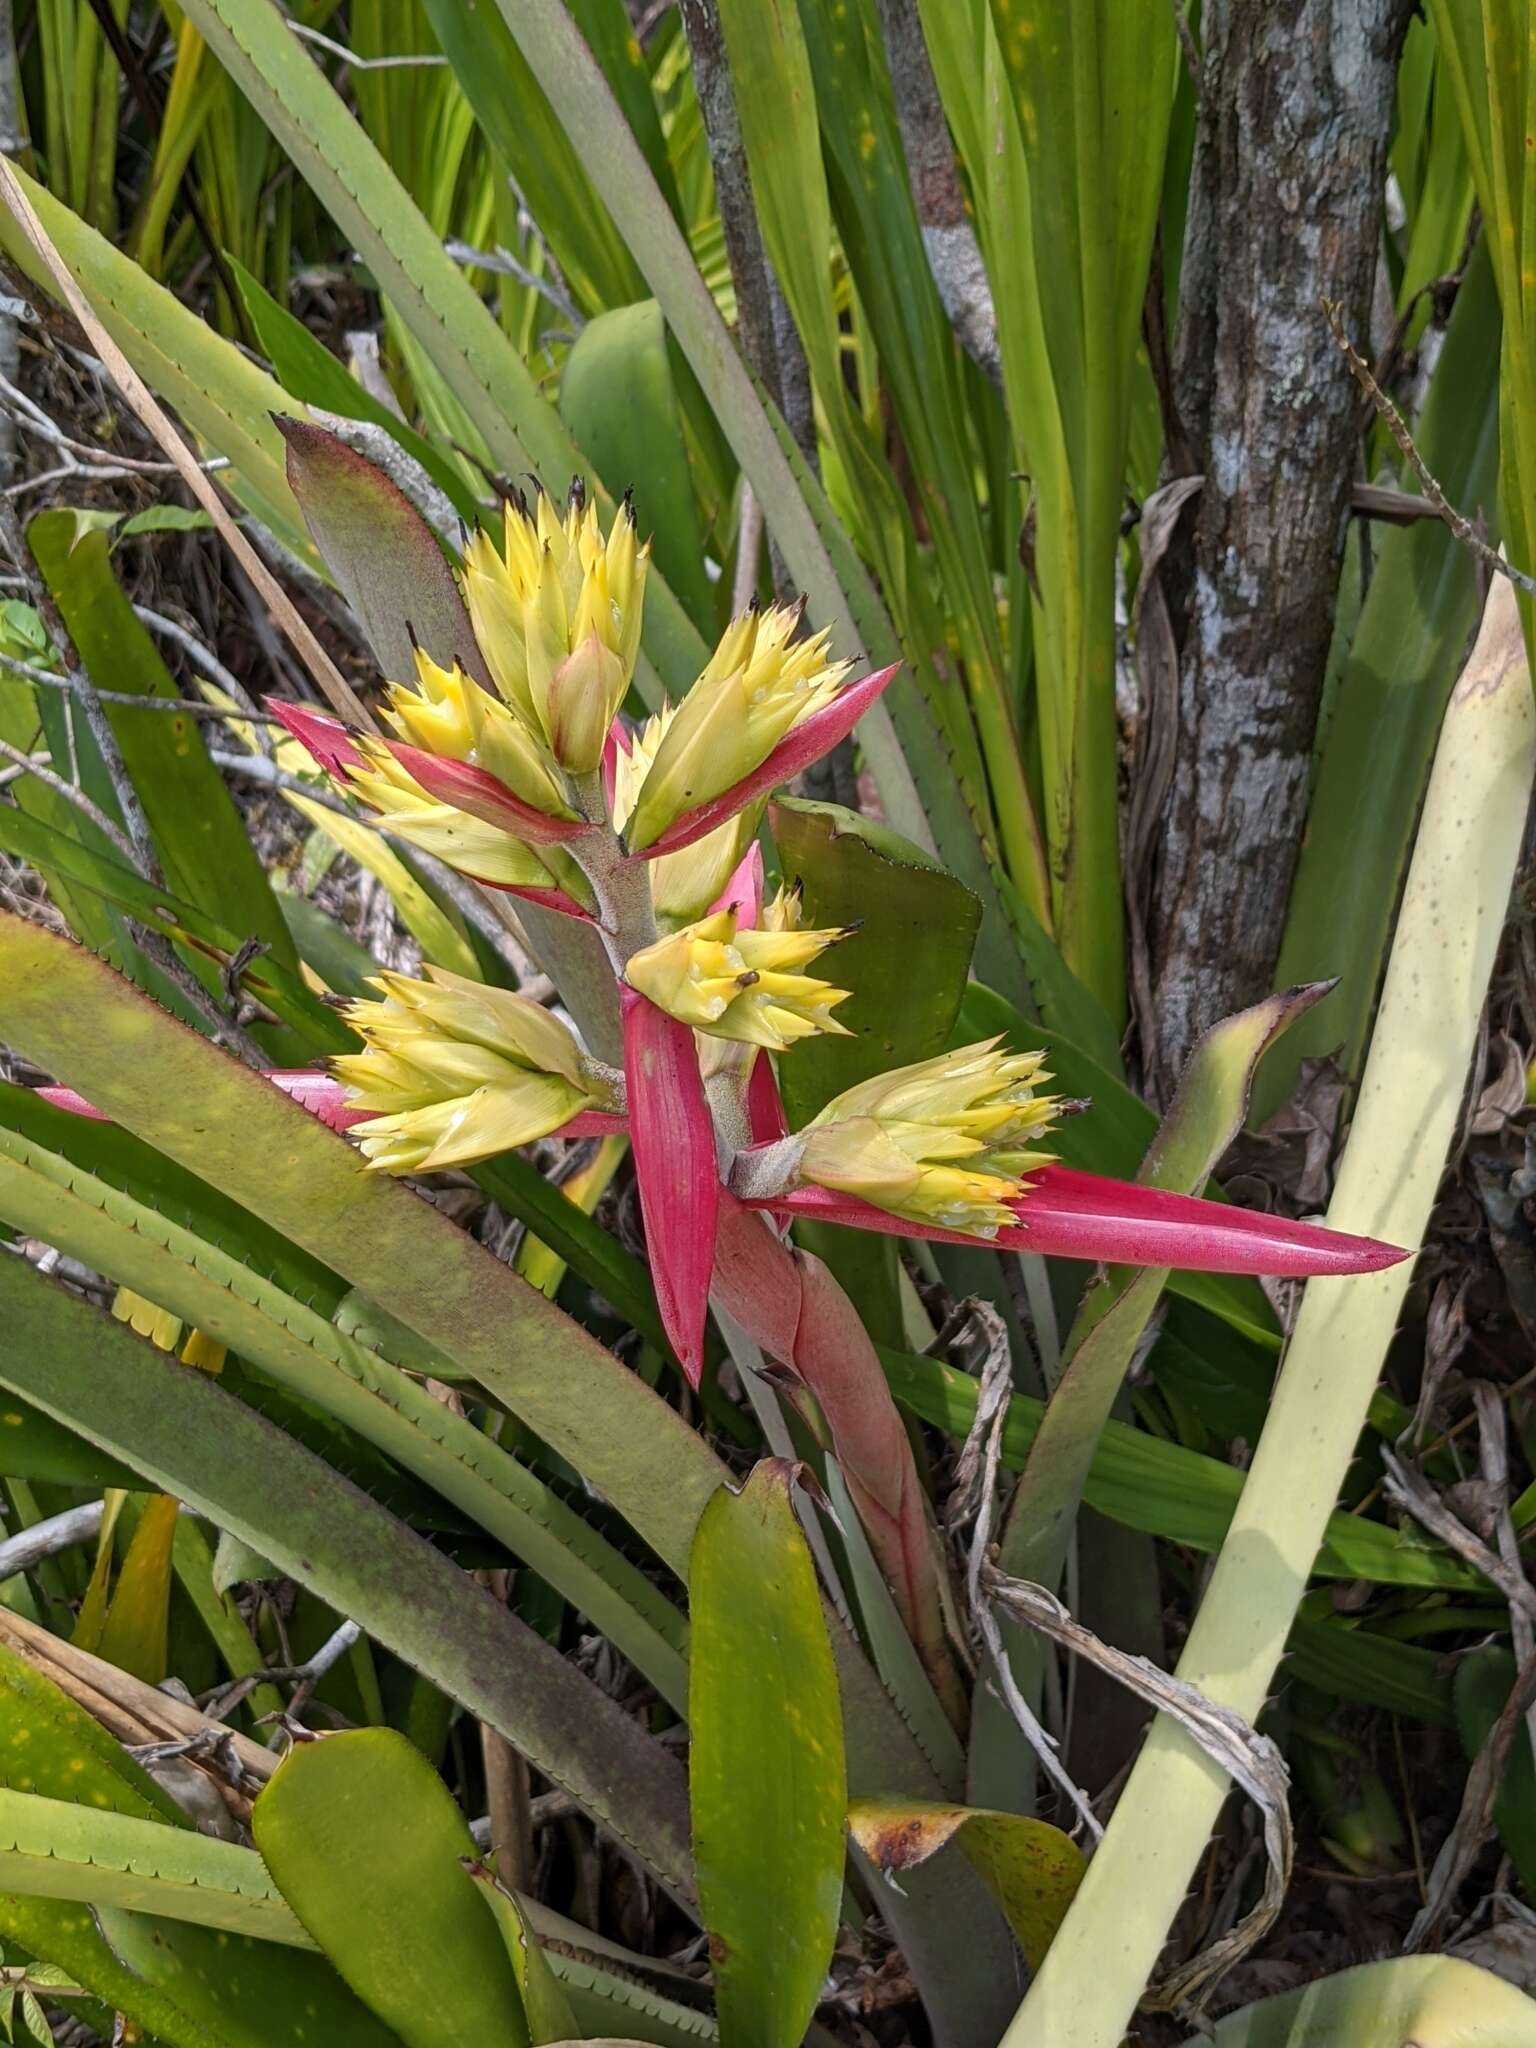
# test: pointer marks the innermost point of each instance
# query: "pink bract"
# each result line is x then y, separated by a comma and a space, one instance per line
672, 1136
1067, 1214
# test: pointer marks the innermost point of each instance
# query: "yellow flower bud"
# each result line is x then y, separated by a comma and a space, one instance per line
556, 586
449, 715
458, 1071
467, 844
756, 688
742, 985
585, 692
945, 1141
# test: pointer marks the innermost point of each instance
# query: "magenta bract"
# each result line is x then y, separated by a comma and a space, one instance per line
672, 1137
458, 783
1067, 1214
797, 750
765, 1109
326, 738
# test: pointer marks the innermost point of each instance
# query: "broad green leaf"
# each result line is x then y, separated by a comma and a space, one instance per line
385, 559
243, 1991
619, 399
546, 2009
1147, 1483
190, 1985
189, 1437
1357, 1664
37, 721
767, 1778
341, 962
370, 1849
165, 519
324, 1365
148, 1178
36, 1448
913, 928
76, 1019
51, 1849
1030, 1868
67, 1934
50, 1746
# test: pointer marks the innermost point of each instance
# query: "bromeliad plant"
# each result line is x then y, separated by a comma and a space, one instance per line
540, 788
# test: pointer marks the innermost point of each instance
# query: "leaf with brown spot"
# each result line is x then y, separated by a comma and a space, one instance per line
1032, 1869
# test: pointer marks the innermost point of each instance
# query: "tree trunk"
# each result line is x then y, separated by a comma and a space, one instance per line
1285, 209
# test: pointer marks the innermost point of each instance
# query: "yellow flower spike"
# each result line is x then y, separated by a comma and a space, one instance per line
458, 1071
558, 586
741, 985
946, 1141
756, 687
584, 693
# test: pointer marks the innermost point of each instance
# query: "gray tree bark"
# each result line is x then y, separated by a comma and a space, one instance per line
1285, 208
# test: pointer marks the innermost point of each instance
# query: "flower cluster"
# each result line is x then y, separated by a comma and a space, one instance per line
651, 832
948, 1141
453, 1071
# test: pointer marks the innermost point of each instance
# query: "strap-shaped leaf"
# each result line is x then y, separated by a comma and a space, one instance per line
76, 1019
1165, 1488
190, 1438
220, 393
437, 303
50, 1198
52, 1849
1031, 1868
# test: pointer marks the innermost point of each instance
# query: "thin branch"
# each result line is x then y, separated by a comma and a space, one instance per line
206, 662
426, 60
29, 1547
502, 263
26, 671
1406, 1489
27, 764
1189, 47
32, 416
1396, 426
